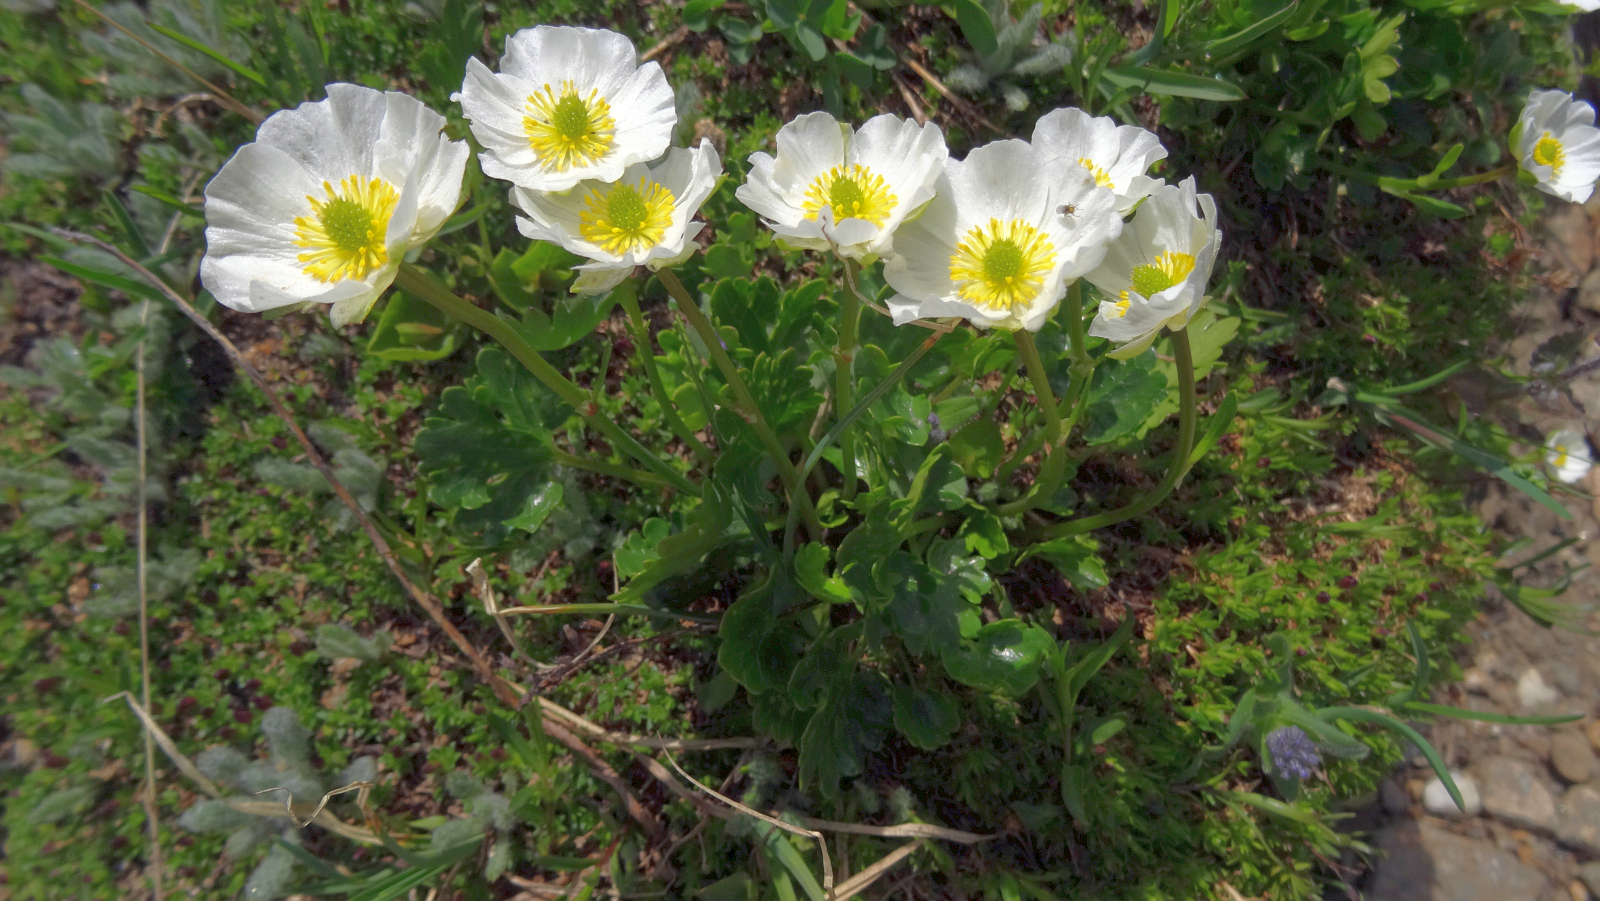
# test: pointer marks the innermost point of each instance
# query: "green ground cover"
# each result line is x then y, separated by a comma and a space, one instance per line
1315, 558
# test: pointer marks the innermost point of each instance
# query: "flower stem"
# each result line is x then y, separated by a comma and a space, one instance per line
647, 358
1071, 408
1465, 180
744, 399
849, 418
430, 289
1056, 430
1054, 465
844, 375
1184, 359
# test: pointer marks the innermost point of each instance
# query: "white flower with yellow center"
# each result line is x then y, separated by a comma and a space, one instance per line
1568, 455
568, 105
831, 187
1556, 142
1156, 271
1117, 155
641, 219
993, 246
327, 201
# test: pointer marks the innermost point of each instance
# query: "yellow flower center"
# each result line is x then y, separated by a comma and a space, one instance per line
343, 237
1001, 266
1101, 176
1149, 280
1560, 461
621, 217
567, 129
852, 192
1549, 152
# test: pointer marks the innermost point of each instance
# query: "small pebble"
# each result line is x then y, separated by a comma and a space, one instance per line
1570, 755
1436, 798
1475, 681
1594, 734
1590, 874
1532, 692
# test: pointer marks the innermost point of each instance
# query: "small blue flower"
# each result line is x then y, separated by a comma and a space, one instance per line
1293, 752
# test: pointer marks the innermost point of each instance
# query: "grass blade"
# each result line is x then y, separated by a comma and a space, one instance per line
217, 56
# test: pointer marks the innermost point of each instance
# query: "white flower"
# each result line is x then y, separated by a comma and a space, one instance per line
1157, 270
994, 245
642, 219
327, 201
830, 187
1118, 155
1556, 142
1568, 455
568, 105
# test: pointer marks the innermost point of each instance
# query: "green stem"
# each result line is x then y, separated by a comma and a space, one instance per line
746, 401
845, 421
1054, 465
637, 476
1184, 360
844, 375
1465, 180
647, 358
1056, 431
1070, 410
430, 289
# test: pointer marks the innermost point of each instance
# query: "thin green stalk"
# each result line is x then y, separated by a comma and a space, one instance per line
1054, 465
647, 358
426, 287
845, 422
792, 482
844, 375
628, 473
1184, 360
1465, 180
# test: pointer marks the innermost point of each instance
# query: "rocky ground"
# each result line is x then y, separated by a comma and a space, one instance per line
1532, 828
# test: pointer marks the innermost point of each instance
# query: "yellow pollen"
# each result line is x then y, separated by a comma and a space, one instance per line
1549, 152
1561, 457
1170, 268
344, 235
624, 217
1122, 303
567, 129
1101, 176
1001, 266
852, 192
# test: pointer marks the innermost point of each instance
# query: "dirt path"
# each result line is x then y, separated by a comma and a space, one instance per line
1532, 832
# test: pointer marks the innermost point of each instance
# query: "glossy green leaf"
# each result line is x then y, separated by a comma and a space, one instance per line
1078, 558
1004, 657
1122, 395
811, 571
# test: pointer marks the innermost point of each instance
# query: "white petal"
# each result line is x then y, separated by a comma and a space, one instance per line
807, 147
331, 138
1002, 180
